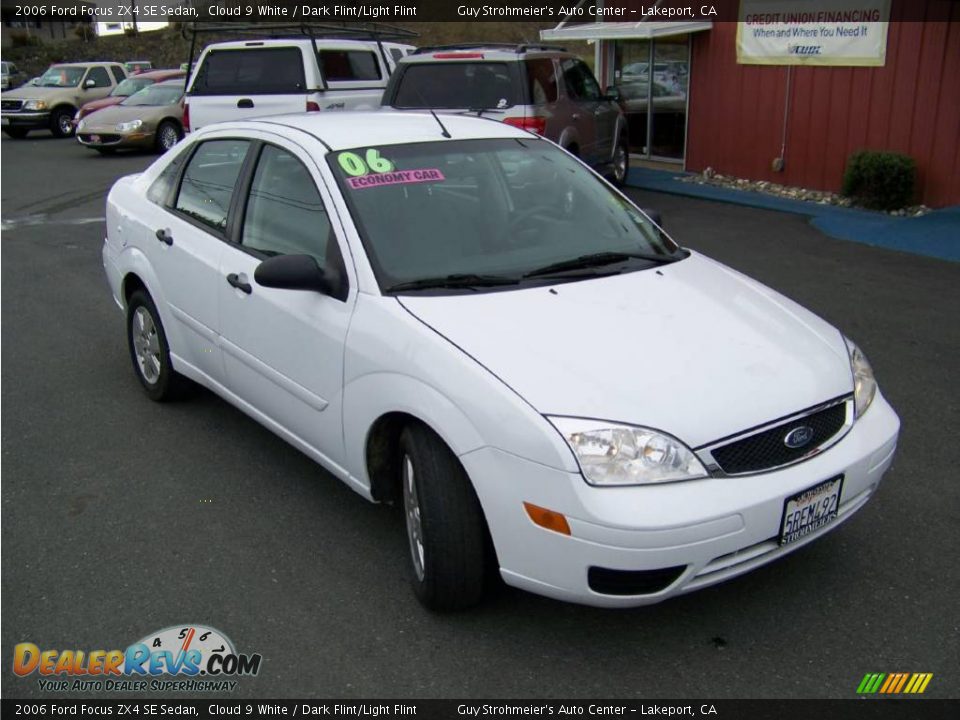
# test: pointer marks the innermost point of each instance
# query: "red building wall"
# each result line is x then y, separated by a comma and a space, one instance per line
911, 105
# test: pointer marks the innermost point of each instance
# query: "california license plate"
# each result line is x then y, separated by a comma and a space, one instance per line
809, 510
95, 138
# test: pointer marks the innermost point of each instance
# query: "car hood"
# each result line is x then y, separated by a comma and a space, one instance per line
37, 92
692, 348
110, 116
102, 103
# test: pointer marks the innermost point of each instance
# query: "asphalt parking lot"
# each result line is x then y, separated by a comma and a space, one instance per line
121, 517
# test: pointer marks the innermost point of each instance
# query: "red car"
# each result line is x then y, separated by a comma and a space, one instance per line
125, 89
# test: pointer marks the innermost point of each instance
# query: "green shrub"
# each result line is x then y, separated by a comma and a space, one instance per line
880, 180
19, 38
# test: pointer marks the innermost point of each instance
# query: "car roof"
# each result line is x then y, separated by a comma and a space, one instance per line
161, 74
299, 42
85, 64
493, 51
343, 130
179, 82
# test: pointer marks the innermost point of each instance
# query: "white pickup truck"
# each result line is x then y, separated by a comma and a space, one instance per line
251, 78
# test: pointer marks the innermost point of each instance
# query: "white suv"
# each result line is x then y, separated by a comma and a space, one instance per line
251, 78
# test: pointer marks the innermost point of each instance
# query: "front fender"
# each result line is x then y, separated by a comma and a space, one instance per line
132, 261
370, 397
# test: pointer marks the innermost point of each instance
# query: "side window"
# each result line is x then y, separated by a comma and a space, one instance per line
579, 81
349, 65
397, 54
118, 73
99, 76
285, 215
160, 188
250, 71
209, 180
542, 80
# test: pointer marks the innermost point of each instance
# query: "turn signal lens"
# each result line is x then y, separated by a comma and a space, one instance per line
547, 518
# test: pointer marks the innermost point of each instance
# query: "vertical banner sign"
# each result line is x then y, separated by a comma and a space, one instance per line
822, 32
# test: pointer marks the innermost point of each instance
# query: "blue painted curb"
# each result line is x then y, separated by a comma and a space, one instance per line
936, 234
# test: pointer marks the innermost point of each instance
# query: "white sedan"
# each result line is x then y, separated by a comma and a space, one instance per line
459, 316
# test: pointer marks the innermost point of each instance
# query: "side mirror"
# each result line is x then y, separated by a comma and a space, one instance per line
297, 272
612, 94
91, 83
653, 215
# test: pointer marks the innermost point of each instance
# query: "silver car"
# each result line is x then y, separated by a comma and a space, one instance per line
540, 88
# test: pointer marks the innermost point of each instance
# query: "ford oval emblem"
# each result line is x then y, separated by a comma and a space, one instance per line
798, 437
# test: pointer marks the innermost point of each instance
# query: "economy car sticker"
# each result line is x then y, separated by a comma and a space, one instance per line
374, 170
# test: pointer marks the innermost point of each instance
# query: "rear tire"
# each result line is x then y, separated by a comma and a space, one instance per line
444, 521
150, 352
61, 124
15, 132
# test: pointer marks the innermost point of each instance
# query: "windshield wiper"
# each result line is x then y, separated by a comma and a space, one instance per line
466, 280
596, 260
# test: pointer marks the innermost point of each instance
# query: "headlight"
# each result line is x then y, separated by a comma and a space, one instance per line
612, 454
35, 105
128, 126
864, 384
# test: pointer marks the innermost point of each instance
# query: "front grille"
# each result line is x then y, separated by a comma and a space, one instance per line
11, 105
767, 449
632, 582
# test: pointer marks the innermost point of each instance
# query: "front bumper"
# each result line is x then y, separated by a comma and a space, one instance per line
710, 530
112, 139
29, 120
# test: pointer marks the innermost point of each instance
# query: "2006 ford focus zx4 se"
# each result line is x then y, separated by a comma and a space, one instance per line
458, 317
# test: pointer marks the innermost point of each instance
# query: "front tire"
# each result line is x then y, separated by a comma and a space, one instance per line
621, 164
150, 352
168, 135
61, 123
444, 522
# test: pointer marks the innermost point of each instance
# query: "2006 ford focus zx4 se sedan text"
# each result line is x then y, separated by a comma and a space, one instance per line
459, 317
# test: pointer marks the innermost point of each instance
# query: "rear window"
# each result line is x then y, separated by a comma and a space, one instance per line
542, 81
254, 71
349, 65
456, 85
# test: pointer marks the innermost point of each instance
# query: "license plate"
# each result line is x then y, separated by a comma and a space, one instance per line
94, 138
809, 510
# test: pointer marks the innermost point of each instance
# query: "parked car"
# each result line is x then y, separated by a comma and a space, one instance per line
150, 118
125, 89
54, 101
135, 67
245, 79
10, 76
458, 315
540, 88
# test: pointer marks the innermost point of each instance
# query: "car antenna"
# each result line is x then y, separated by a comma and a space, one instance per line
444, 132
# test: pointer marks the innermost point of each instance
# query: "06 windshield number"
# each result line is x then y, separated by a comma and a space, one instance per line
355, 166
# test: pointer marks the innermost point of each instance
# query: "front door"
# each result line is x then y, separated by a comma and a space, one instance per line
283, 349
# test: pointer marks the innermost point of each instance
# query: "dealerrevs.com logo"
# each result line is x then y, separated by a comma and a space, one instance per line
187, 658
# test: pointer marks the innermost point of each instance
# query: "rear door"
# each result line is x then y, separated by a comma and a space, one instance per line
594, 117
354, 78
237, 83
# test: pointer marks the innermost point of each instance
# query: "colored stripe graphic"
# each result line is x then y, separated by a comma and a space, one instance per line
894, 683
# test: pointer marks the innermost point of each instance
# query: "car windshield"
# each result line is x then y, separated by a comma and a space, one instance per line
130, 86
495, 210
155, 95
456, 85
61, 77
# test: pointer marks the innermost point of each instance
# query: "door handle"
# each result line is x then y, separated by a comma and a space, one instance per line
245, 103
239, 284
164, 236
